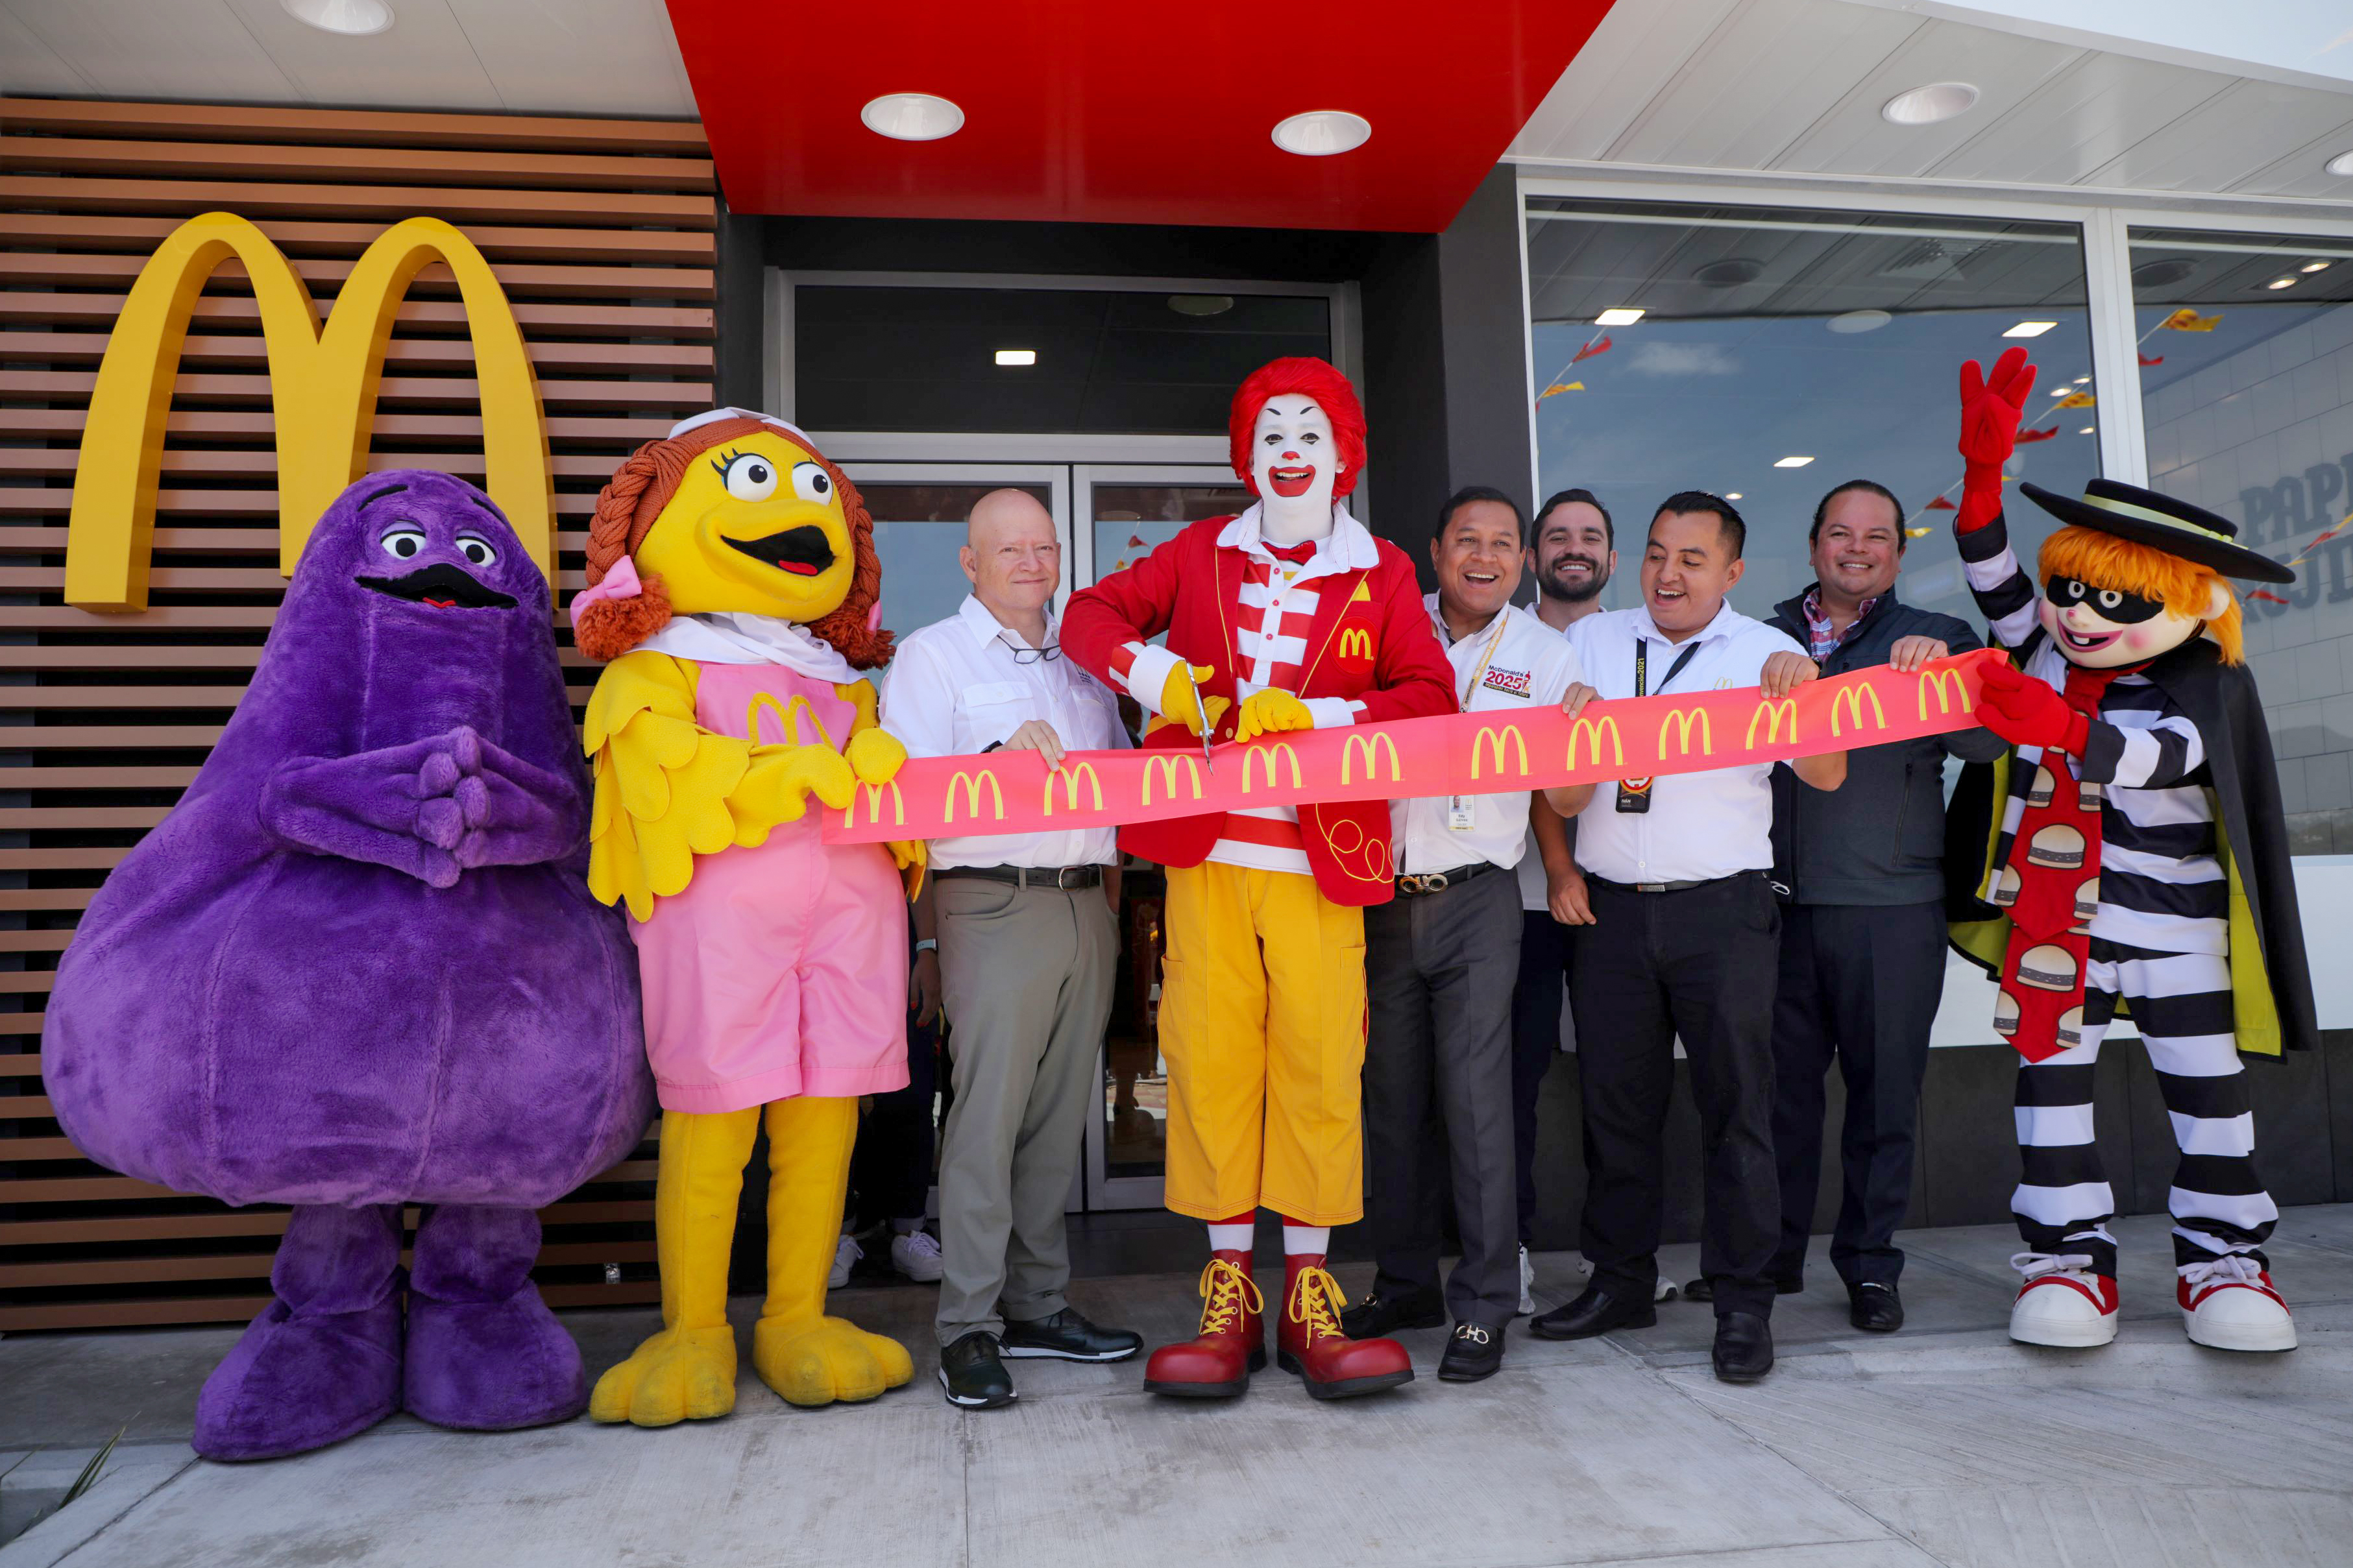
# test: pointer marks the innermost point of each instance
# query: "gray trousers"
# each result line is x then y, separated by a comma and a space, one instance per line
1026, 977
1440, 969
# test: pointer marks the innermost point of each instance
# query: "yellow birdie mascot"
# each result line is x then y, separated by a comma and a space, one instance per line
733, 593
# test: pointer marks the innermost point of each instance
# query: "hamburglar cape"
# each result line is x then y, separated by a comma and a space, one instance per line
2270, 983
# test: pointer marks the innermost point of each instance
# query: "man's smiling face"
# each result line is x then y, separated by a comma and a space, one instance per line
1858, 550
1477, 556
1572, 557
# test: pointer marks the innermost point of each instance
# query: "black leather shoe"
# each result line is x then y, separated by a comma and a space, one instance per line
1377, 1316
1068, 1336
1595, 1312
972, 1375
1744, 1347
1700, 1291
1874, 1309
1474, 1352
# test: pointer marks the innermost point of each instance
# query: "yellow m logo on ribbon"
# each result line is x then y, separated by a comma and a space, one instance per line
1848, 701
1486, 741
1770, 714
1590, 731
1165, 764
322, 387
1948, 684
1370, 752
897, 806
1680, 722
1273, 756
1071, 779
970, 783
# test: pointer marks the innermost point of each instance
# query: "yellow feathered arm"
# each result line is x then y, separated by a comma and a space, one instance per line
662, 781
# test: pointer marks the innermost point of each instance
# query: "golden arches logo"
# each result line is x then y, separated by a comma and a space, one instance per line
1370, 752
1073, 777
322, 386
1487, 740
1948, 684
1165, 764
970, 783
874, 807
1355, 642
1848, 701
1590, 731
789, 715
1273, 755
1770, 714
1680, 722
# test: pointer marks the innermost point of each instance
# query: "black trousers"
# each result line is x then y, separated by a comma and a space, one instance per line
1535, 1040
890, 1165
1861, 985
1698, 965
1438, 969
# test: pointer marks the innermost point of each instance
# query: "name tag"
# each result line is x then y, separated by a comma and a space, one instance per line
1460, 818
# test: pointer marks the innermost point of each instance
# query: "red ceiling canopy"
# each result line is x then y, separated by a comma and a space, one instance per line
1116, 111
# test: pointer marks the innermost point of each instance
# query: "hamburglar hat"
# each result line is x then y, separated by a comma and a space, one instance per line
2176, 527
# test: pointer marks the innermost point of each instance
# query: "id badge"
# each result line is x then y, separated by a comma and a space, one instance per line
1460, 818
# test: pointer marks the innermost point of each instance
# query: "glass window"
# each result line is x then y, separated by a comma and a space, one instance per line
1031, 360
918, 529
2246, 377
1778, 353
1131, 521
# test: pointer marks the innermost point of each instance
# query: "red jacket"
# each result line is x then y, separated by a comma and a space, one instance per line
1191, 589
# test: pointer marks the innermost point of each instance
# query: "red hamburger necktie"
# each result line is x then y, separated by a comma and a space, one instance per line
2050, 888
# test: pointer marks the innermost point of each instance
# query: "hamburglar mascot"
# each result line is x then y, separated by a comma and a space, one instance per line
2136, 866
1289, 616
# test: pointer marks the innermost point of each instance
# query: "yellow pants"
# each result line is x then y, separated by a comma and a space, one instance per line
1262, 1021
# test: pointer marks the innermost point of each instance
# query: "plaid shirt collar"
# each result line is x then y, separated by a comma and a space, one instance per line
1822, 640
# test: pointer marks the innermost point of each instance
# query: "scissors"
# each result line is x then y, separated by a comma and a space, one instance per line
1207, 761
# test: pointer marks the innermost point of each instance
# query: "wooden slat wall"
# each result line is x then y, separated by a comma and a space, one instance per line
602, 233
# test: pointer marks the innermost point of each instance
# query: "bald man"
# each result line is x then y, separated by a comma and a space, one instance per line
1027, 946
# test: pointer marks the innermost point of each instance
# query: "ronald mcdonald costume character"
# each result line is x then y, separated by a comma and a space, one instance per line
1289, 616
735, 592
357, 967
2135, 866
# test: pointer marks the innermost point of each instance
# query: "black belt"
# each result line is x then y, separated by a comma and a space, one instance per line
1439, 882
1667, 887
1030, 876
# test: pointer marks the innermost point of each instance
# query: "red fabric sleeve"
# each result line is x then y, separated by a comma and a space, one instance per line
1133, 606
1411, 678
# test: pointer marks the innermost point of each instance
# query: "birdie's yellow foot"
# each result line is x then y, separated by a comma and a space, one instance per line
817, 1362
679, 1374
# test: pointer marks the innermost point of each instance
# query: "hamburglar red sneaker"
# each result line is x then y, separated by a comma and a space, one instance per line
2062, 1302
1217, 1364
1309, 1341
2228, 1304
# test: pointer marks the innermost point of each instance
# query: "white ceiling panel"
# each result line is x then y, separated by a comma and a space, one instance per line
2088, 116
137, 48
2303, 172
2226, 138
1759, 83
1635, 51
1851, 139
30, 66
615, 57
422, 61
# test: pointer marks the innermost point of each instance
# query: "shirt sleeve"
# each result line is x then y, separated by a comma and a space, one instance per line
919, 701
2161, 756
2004, 593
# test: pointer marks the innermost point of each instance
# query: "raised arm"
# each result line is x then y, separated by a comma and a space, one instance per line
1990, 410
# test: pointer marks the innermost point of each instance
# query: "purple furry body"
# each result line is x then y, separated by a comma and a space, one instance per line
358, 966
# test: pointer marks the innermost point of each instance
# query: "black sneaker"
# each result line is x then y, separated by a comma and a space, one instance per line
1068, 1336
1474, 1352
1379, 1316
972, 1375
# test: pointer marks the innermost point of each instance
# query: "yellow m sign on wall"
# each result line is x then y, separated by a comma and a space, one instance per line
323, 388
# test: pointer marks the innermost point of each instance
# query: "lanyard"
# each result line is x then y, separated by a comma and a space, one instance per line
1495, 640
1643, 665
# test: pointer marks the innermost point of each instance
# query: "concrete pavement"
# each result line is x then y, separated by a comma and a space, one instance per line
1944, 1444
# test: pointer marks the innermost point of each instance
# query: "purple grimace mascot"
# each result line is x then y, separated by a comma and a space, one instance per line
357, 967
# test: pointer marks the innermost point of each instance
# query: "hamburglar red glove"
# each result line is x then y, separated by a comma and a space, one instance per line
1990, 410
2027, 712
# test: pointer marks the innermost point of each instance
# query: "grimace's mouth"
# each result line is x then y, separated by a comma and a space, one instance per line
442, 586
803, 552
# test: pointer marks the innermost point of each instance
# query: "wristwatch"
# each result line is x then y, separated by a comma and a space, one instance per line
928, 944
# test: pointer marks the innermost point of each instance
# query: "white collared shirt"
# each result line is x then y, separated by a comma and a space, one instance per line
1701, 826
955, 689
1516, 664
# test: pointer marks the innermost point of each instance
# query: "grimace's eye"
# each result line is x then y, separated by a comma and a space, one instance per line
749, 476
401, 544
811, 482
477, 551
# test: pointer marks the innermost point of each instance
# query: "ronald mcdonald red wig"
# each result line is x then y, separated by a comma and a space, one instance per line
1302, 378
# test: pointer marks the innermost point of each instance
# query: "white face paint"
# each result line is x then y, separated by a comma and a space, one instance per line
1294, 462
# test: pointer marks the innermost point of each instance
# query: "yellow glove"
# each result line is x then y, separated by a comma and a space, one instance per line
1180, 697
1270, 711
777, 786
875, 756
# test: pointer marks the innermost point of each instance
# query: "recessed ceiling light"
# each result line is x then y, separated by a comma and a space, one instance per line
2083, 381
912, 116
2340, 165
2061, 391
1793, 462
2029, 329
2086, 430
1732, 495
1859, 322
1731, 272
1321, 132
2314, 267
1618, 318
1927, 105
356, 18
2164, 271
2281, 283
1016, 357
1200, 304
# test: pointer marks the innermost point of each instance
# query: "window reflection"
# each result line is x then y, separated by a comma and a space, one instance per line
1767, 336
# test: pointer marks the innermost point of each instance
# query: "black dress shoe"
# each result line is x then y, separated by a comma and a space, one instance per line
1874, 1308
972, 1375
1700, 1291
1744, 1347
1474, 1352
1379, 1316
1595, 1312
1068, 1336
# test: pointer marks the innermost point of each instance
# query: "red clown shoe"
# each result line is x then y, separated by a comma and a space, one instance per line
1309, 1341
1216, 1364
